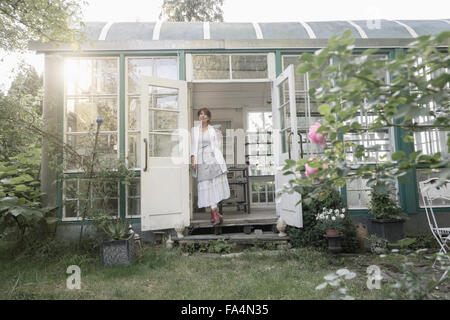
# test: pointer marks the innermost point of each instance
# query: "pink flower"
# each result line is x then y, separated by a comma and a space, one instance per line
309, 170
316, 137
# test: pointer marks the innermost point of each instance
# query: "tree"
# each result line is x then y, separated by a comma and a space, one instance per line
44, 20
349, 87
20, 109
192, 10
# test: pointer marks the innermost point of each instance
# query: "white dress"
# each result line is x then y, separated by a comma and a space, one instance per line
212, 183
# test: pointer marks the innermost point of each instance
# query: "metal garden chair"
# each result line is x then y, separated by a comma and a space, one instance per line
430, 191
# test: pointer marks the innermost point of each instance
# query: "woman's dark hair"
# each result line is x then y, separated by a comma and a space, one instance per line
205, 111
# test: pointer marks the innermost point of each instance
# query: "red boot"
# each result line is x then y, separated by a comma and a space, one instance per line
218, 219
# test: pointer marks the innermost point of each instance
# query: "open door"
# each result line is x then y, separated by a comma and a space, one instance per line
165, 154
286, 143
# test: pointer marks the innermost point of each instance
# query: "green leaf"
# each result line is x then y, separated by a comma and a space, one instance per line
324, 109
399, 155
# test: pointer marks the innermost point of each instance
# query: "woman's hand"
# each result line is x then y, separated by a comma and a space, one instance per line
193, 164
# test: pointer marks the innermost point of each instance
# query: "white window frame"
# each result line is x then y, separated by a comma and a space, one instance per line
89, 96
127, 96
271, 72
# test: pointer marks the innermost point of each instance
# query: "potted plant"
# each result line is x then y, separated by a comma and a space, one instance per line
331, 221
119, 246
387, 221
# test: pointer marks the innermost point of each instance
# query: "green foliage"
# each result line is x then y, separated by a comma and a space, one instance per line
114, 228
423, 241
418, 81
44, 20
192, 10
20, 112
312, 235
213, 246
382, 206
416, 285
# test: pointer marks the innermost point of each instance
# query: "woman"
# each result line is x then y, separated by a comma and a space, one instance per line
207, 159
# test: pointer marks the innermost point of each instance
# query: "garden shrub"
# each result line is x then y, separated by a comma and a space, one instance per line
311, 235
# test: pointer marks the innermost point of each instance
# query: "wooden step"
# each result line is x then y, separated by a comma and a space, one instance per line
241, 238
246, 221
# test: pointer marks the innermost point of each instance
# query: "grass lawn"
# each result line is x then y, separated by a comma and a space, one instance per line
161, 273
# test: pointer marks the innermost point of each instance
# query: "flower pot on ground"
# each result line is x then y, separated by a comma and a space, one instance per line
118, 252
331, 221
387, 221
119, 246
334, 243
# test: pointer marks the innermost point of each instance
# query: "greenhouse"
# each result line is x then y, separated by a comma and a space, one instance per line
147, 82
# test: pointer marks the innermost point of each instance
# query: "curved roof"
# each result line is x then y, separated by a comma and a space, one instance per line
366, 29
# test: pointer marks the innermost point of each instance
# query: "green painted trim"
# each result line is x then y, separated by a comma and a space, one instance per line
122, 133
278, 63
181, 65
118, 53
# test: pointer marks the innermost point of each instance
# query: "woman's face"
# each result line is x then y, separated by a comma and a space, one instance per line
203, 117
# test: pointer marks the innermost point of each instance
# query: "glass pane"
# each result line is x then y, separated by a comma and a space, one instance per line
163, 120
249, 67
134, 207
134, 150
422, 175
80, 144
165, 101
255, 197
211, 67
78, 115
70, 209
166, 68
103, 189
262, 197
107, 109
357, 194
109, 206
431, 141
270, 197
134, 113
134, 188
78, 76
70, 189
300, 82
105, 76
138, 68
107, 146
163, 145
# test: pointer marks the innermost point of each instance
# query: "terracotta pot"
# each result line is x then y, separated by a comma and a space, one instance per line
332, 232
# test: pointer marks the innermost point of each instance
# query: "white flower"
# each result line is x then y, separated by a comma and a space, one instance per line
333, 218
394, 250
382, 256
342, 216
330, 277
336, 211
343, 210
350, 275
321, 286
326, 217
342, 272
343, 290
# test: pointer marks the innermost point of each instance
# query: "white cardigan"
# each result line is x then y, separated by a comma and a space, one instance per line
216, 144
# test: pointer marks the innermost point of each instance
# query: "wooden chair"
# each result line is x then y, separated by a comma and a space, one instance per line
431, 191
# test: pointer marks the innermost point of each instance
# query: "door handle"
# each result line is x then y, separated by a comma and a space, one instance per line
289, 144
146, 153
301, 144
